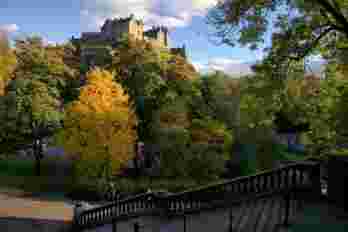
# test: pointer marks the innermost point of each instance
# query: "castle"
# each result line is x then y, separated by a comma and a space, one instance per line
113, 31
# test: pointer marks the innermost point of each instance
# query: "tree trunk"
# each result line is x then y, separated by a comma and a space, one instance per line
37, 155
136, 165
38, 166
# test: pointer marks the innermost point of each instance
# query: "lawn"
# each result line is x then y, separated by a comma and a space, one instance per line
19, 174
16, 167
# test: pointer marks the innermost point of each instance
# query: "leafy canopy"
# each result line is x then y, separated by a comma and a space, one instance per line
7, 62
99, 127
300, 24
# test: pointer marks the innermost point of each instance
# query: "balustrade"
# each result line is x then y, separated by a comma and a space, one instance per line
285, 178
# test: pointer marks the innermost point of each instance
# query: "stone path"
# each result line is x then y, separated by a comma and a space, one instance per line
23, 213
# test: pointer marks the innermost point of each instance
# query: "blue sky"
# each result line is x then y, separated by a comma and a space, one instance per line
57, 21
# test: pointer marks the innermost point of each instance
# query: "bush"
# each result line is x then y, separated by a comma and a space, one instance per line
205, 161
173, 147
93, 190
87, 190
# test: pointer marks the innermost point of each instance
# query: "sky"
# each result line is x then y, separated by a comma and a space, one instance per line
58, 21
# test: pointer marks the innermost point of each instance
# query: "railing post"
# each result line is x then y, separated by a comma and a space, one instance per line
315, 180
231, 220
136, 227
114, 226
287, 209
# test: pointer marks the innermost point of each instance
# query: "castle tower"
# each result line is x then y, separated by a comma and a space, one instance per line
115, 29
165, 35
158, 36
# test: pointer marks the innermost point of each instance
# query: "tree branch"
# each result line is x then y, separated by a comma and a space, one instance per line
312, 45
336, 14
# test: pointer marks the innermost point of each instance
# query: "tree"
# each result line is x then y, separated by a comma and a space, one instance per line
152, 77
99, 127
218, 99
7, 62
28, 114
34, 96
46, 63
302, 25
138, 68
175, 114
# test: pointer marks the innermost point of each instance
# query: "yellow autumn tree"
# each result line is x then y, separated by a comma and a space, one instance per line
7, 62
99, 127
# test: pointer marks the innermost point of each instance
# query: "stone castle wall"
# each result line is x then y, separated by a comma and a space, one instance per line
113, 30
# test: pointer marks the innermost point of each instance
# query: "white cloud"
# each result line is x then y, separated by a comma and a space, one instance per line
84, 12
237, 67
233, 67
49, 42
9, 28
199, 66
172, 14
316, 58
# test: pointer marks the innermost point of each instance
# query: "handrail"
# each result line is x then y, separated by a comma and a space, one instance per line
293, 176
276, 180
130, 205
241, 178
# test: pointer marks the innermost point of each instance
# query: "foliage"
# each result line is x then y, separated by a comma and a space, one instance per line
99, 127
173, 146
211, 131
185, 154
29, 113
206, 161
138, 67
174, 114
47, 64
218, 99
300, 25
92, 190
7, 63
154, 79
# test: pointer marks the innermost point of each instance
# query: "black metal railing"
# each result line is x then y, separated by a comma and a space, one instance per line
135, 205
293, 177
289, 178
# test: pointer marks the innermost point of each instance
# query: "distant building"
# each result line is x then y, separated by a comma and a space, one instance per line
101, 43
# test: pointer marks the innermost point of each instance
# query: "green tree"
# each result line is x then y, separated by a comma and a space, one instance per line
152, 77
46, 64
28, 114
302, 25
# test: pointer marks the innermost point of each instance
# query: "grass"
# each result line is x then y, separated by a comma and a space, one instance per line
20, 174
16, 167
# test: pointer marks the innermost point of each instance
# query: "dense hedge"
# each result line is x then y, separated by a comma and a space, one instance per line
95, 190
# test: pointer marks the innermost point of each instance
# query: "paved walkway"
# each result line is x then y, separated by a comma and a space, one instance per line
24, 213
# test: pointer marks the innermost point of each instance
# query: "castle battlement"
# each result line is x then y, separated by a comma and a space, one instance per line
115, 29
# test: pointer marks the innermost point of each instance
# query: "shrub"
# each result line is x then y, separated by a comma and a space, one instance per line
205, 161
94, 190
173, 147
